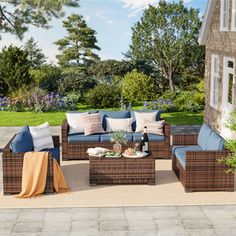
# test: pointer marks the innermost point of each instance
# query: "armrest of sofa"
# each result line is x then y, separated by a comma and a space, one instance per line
64, 131
184, 139
205, 159
166, 130
56, 140
7, 153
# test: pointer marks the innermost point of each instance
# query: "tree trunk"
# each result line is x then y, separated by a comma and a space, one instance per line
170, 78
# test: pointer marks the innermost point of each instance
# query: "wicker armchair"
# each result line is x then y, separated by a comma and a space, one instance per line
12, 170
202, 172
78, 150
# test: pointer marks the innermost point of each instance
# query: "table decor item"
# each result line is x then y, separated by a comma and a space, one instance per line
118, 138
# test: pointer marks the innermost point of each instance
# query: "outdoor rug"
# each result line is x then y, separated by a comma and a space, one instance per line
167, 191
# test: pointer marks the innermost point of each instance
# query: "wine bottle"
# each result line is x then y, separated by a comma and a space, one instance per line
145, 140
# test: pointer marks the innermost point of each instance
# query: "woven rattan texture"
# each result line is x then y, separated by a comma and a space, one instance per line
122, 170
12, 170
202, 171
77, 150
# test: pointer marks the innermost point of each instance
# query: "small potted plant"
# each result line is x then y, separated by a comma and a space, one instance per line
230, 145
118, 138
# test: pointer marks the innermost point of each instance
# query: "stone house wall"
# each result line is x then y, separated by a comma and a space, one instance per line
222, 44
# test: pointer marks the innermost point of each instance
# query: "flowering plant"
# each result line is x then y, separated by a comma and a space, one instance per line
118, 137
160, 104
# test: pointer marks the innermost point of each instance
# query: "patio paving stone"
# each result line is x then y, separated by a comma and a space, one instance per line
84, 214
226, 232
190, 212
84, 226
85, 233
112, 214
113, 225
144, 233
201, 232
114, 233
27, 228
56, 227
141, 225
197, 224
174, 224
172, 233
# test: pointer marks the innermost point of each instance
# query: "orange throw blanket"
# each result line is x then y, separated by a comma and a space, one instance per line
34, 175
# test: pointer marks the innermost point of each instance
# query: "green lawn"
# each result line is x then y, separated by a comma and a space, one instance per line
55, 118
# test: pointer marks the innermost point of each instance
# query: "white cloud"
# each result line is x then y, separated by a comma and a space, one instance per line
87, 18
105, 16
137, 5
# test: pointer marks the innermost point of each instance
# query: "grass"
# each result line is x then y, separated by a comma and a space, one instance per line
55, 118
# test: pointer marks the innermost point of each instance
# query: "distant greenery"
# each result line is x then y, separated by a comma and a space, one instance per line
163, 68
56, 118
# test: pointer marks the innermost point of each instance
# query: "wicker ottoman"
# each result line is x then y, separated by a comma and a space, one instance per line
103, 170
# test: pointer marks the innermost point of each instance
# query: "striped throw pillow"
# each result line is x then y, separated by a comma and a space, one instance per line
42, 137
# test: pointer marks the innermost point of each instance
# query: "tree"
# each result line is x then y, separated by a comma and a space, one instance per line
138, 87
76, 49
47, 77
35, 56
77, 83
17, 15
106, 70
166, 36
14, 68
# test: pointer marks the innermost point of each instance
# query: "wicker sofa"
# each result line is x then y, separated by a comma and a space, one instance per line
194, 160
74, 147
12, 163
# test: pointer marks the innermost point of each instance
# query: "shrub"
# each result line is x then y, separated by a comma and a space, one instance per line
138, 87
47, 77
166, 105
76, 83
185, 101
104, 96
4, 103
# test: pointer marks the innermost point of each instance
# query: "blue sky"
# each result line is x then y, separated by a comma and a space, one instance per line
112, 20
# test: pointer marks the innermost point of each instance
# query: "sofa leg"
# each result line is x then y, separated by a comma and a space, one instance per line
189, 190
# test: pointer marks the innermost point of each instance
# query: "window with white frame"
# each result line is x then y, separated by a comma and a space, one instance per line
224, 15
214, 80
233, 18
228, 81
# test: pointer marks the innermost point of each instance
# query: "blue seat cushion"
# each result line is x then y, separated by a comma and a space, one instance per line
55, 152
180, 152
106, 137
82, 138
158, 117
215, 142
203, 136
113, 114
22, 142
151, 137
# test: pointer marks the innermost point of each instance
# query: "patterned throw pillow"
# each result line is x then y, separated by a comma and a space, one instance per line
155, 127
119, 124
140, 117
74, 122
90, 119
42, 137
94, 128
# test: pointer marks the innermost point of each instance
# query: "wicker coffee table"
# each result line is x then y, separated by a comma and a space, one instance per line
103, 170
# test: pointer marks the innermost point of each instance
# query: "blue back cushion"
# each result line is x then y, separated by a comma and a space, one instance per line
215, 142
25, 129
158, 117
22, 142
203, 136
113, 114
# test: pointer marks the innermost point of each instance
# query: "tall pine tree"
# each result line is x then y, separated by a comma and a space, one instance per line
77, 48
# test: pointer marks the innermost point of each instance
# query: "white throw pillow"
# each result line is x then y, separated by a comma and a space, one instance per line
74, 121
41, 136
119, 124
142, 117
155, 127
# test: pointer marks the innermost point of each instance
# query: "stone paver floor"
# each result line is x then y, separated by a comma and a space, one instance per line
122, 221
